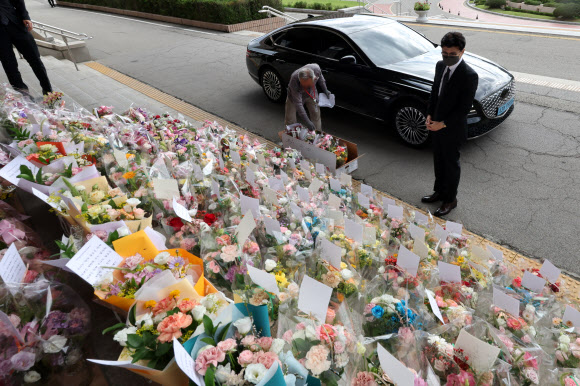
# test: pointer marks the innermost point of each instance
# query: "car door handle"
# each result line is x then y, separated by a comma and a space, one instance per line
280, 61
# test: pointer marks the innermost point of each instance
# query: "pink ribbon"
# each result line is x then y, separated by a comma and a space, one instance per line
10, 233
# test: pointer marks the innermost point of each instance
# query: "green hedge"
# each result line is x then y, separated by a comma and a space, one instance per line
214, 11
495, 3
526, 11
568, 11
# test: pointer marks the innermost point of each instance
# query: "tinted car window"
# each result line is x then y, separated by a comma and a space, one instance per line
297, 39
391, 43
330, 45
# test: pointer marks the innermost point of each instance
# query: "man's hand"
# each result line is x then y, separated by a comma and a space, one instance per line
328, 94
28, 25
435, 126
428, 121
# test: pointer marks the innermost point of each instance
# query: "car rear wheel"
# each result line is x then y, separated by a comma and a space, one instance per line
272, 85
409, 122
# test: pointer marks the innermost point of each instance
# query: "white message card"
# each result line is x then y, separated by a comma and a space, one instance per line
453, 227
550, 271
313, 298
88, 263
165, 189
245, 228
449, 273
506, 302
250, 203
330, 252
395, 211
363, 200
572, 315
186, 362
367, 190
263, 279
272, 226
335, 184
397, 371
481, 355
496, 253
533, 282
435, 307
12, 268
354, 231
408, 260
181, 211
417, 233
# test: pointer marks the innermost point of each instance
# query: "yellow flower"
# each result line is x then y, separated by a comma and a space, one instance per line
281, 279
129, 175
460, 259
174, 294
150, 303
343, 265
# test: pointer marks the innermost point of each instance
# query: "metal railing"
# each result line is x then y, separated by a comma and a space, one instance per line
63, 33
274, 12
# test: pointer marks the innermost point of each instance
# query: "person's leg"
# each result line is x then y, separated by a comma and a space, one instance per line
290, 115
453, 170
314, 113
9, 61
24, 42
438, 164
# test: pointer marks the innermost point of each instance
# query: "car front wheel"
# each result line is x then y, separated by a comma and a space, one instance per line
272, 85
409, 121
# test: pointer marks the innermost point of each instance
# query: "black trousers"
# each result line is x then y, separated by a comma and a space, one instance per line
446, 161
13, 35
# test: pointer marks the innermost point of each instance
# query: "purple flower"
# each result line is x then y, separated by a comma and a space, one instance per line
23, 361
5, 367
176, 262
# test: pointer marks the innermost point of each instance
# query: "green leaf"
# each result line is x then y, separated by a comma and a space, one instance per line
134, 341
163, 349
132, 318
39, 176
209, 341
210, 376
115, 327
152, 363
225, 332
208, 325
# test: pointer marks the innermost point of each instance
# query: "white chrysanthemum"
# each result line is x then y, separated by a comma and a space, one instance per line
121, 336
255, 372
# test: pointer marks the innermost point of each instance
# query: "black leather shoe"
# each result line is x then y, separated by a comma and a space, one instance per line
446, 208
432, 198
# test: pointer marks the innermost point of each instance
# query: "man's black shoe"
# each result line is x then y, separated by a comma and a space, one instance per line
432, 198
446, 208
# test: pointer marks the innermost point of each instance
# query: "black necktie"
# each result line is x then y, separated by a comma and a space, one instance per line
445, 80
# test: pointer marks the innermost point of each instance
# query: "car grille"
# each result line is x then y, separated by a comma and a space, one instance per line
490, 103
479, 129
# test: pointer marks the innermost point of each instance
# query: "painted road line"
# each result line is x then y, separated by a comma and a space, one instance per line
539, 80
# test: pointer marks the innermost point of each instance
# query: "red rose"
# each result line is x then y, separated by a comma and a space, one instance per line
175, 223
209, 219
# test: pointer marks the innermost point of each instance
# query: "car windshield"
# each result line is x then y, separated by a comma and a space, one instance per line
391, 43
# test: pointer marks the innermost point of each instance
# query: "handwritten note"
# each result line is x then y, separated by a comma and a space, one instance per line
165, 189
12, 268
89, 261
186, 362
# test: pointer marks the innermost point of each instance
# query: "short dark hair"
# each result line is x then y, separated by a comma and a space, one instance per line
453, 39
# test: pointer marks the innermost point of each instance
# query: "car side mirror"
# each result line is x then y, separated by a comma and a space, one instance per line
348, 59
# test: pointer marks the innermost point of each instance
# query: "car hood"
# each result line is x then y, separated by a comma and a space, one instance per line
491, 75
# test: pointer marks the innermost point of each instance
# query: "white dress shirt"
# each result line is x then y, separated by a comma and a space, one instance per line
451, 69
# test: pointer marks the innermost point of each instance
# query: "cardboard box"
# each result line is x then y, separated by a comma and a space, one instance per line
324, 157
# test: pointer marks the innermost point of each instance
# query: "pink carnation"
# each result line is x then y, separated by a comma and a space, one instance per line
227, 345
171, 326
364, 378
246, 357
265, 358
211, 356
265, 342
287, 336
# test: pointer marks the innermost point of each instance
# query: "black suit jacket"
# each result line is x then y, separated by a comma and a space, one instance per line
455, 102
15, 11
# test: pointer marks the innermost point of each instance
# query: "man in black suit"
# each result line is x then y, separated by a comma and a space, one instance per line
450, 102
15, 27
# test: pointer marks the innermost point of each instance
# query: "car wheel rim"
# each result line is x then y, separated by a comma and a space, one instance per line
272, 85
410, 123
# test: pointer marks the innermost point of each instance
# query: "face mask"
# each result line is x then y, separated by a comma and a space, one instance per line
450, 60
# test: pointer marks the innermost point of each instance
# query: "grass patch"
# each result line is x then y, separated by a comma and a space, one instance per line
525, 14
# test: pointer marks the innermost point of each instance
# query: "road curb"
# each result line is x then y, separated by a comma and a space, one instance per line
519, 17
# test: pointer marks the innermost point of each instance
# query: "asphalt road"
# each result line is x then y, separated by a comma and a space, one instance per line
519, 184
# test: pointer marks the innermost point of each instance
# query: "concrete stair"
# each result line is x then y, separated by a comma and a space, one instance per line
86, 88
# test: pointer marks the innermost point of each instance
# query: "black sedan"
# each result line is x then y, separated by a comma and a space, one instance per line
378, 67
